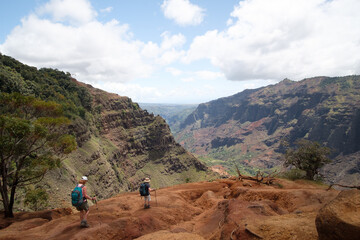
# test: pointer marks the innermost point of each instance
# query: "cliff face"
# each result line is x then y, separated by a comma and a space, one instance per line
247, 128
119, 144
143, 144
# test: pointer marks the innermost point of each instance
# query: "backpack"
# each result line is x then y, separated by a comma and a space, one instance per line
77, 196
144, 191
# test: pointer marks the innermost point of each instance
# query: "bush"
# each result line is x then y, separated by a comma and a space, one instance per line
294, 174
307, 156
36, 199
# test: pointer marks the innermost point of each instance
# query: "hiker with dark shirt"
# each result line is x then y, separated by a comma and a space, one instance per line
146, 195
84, 207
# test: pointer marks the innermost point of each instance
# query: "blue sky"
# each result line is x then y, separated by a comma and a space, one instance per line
184, 51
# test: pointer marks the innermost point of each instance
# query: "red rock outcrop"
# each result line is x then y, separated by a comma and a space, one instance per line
340, 218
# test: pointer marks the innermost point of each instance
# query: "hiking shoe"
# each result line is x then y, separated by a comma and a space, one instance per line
148, 206
84, 224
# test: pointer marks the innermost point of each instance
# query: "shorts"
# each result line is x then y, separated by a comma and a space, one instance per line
83, 207
147, 198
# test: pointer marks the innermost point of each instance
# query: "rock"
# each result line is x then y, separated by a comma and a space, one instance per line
340, 218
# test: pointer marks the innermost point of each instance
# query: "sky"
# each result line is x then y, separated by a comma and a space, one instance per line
184, 51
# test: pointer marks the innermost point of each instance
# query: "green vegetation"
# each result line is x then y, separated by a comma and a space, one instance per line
294, 174
230, 157
33, 140
36, 199
46, 84
344, 83
307, 156
230, 165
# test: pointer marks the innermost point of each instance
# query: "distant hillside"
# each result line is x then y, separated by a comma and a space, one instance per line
174, 114
119, 144
247, 128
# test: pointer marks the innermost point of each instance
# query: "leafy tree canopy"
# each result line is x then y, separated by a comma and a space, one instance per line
33, 140
46, 84
307, 156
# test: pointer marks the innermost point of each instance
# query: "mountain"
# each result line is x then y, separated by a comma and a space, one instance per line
119, 144
247, 129
174, 114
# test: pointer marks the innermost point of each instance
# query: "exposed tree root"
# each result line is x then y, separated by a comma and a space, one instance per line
259, 178
345, 186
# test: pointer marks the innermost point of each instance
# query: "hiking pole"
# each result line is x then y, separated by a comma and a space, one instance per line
156, 198
97, 209
96, 204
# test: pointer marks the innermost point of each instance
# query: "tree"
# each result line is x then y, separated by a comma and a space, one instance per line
33, 140
307, 156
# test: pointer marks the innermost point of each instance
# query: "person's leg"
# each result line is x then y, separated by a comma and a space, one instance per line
86, 214
149, 199
81, 215
145, 198
146, 203
86, 211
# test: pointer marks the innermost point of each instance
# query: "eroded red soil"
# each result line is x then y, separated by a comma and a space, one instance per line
223, 209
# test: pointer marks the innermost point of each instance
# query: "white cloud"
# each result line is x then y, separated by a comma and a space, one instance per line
172, 41
209, 75
91, 50
69, 37
169, 50
137, 92
107, 10
183, 12
188, 79
73, 11
283, 38
174, 71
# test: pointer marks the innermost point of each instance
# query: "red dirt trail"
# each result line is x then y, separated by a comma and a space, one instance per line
222, 209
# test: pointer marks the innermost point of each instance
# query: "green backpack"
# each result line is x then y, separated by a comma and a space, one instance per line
77, 196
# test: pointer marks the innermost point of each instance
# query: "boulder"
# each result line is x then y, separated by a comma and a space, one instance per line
340, 218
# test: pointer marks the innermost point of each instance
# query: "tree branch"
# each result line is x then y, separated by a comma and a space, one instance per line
340, 185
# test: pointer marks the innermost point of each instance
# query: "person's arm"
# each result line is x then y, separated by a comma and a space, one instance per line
87, 196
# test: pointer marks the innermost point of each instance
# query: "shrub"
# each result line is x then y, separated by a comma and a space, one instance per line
294, 174
307, 156
36, 199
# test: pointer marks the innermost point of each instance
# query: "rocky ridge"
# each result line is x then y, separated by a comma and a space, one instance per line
248, 128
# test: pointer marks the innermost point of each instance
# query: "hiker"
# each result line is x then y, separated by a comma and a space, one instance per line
82, 204
145, 192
